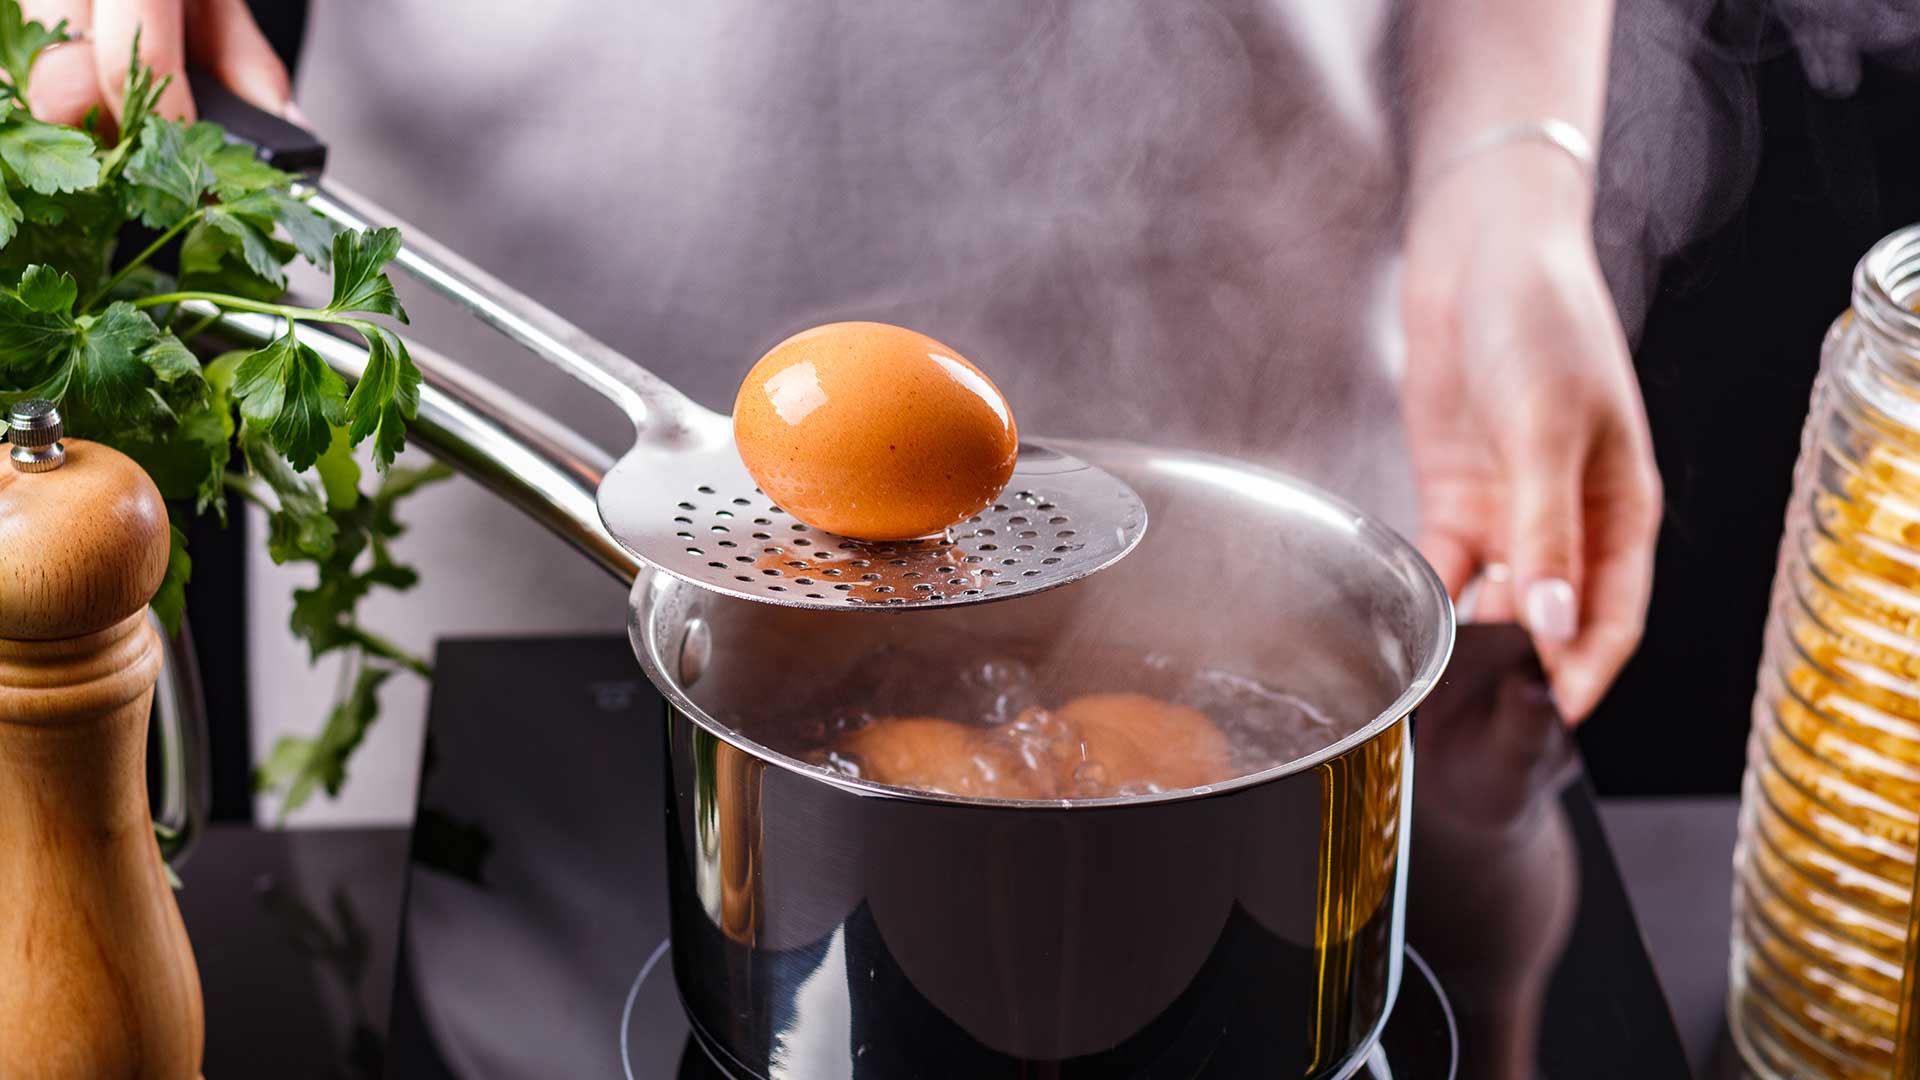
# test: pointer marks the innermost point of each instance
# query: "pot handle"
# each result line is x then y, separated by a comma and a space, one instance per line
663, 413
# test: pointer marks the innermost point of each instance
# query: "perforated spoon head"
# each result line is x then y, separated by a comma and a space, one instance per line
688, 506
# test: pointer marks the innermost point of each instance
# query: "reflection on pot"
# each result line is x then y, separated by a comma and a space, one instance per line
727, 838
1359, 859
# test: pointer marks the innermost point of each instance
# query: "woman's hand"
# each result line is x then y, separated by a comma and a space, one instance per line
1530, 450
219, 36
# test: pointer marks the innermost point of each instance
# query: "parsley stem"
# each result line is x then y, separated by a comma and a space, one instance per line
380, 646
249, 489
198, 328
239, 303
137, 260
349, 674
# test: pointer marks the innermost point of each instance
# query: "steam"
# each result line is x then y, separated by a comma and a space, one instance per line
1177, 221
1682, 141
1834, 38
1163, 220
1681, 144
1173, 221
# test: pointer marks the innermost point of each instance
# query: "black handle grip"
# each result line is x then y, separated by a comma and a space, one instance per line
279, 142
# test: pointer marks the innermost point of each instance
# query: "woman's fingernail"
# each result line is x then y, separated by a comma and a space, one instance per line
294, 114
1551, 610
1469, 601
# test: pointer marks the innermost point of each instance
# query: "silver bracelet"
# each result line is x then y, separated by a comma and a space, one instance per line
1550, 130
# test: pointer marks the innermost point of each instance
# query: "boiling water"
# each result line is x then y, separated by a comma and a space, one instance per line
1016, 703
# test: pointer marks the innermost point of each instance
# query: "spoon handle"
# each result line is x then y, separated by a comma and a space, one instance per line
656, 408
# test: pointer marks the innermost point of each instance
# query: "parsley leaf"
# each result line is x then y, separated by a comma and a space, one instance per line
358, 284
166, 175
248, 224
320, 613
287, 391
400, 483
108, 352
176, 373
387, 395
139, 94
48, 291
33, 341
211, 429
10, 216
103, 357
22, 41
323, 615
339, 472
300, 765
89, 211
188, 461
72, 231
299, 528
170, 603
312, 234
47, 157
237, 172
210, 261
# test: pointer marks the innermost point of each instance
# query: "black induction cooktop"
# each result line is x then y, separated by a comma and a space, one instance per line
534, 939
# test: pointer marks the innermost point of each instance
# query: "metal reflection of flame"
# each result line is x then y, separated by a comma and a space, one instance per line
1364, 795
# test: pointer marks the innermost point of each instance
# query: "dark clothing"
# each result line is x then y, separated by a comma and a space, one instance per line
1726, 362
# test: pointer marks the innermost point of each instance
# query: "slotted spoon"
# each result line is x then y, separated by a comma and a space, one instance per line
681, 499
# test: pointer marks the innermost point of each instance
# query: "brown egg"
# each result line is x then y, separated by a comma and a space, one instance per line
1132, 740
940, 755
874, 431
1094, 746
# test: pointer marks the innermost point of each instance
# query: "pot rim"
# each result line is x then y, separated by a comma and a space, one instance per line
1433, 594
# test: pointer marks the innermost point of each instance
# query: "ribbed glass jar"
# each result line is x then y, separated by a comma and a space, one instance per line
1823, 943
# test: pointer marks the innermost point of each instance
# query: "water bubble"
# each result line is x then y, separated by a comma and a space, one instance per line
846, 764
1090, 778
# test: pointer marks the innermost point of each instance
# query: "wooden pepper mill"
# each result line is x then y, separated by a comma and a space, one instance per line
97, 979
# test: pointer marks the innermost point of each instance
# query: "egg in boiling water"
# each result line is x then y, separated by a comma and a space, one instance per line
874, 432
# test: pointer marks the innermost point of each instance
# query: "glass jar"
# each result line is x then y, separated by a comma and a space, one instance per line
1823, 939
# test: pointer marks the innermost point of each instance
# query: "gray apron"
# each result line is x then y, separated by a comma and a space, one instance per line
1165, 221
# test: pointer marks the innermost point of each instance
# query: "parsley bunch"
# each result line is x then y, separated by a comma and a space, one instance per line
104, 337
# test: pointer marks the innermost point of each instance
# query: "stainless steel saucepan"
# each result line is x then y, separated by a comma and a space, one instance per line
825, 926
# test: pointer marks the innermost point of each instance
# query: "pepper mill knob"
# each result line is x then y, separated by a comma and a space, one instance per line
96, 974
34, 429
